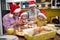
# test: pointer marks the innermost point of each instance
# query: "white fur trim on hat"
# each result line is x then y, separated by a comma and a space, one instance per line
24, 13
17, 10
31, 5
10, 15
42, 15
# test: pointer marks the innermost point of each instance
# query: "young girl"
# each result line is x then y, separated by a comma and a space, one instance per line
21, 24
23, 19
41, 20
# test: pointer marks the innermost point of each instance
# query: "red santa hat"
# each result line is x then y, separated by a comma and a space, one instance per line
14, 9
42, 14
43, 11
32, 3
23, 13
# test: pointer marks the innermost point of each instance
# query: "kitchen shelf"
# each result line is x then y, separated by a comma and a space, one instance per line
57, 3
44, 3
17, 1
53, 4
49, 4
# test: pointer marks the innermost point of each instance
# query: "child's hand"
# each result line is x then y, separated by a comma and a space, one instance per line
19, 30
31, 22
32, 18
22, 22
26, 26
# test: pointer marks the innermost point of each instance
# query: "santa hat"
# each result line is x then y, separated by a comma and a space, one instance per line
14, 9
42, 14
32, 3
23, 13
43, 11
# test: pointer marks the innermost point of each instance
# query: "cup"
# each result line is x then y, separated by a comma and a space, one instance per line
10, 31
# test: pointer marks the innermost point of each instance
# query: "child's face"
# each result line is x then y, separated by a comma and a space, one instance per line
23, 16
40, 17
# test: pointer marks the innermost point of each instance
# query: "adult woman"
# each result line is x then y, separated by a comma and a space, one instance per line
33, 12
10, 19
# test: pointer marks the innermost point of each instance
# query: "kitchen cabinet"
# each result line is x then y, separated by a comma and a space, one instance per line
23, 3
48, 4
57, 4
42, 4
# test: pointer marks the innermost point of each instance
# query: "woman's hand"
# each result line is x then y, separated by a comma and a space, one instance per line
16, 23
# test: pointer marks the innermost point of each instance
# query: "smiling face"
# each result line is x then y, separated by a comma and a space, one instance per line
41, 17
23, 17
15, 14
32, 8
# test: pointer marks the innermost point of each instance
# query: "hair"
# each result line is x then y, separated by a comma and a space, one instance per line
17, 3
10, 3
42, 16
55, 21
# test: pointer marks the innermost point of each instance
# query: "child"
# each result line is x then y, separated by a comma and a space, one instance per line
41, 20
20, 27
23, 19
